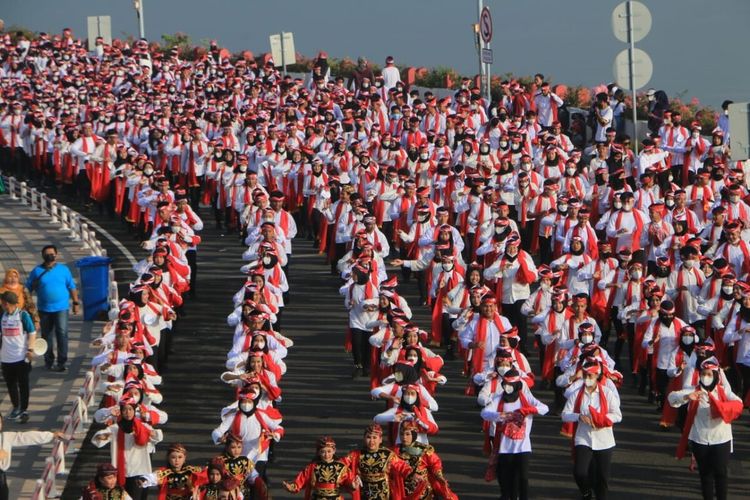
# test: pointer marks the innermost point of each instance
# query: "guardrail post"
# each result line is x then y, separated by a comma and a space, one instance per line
38, 491
75, 226
54, 210
50, 491
32, 197
43, 203
12, 188
23, 194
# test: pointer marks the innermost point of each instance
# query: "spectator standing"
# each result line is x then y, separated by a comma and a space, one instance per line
12, 283
54, 287
390, 74
362, 71
18, 334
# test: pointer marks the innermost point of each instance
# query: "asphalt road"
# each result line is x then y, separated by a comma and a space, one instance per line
319, 397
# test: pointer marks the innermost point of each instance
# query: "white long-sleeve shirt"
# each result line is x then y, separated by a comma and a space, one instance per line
9, 440
490, 414
597, 439
706, 430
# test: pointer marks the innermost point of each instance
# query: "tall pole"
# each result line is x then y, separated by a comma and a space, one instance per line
138, 4
631, 62
478, 43
283, 61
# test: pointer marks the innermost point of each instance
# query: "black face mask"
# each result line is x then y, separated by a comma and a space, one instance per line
49, 258
745, 313
126, 426
666, 320
662, 272
513, 396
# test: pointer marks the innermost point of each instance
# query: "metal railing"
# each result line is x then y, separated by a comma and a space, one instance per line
77, 420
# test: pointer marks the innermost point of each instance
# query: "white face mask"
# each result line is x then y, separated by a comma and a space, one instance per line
589, 382
148, 171
448, 267
243, 169
587, 339
688, 264
636, 275
570, 171
545, 286
246, 405
734, 199
424, 156
562, 207
669, 203
410, 399
502, 370
503, 144
707, 379
688, 340
508, 389
525, 167
696, 135
617, 205
398, 376
727, 289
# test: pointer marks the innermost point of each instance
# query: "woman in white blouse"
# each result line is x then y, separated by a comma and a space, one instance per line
712, 406
509, 414
595, 408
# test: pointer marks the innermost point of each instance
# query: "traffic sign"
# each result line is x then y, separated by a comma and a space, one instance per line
487, 56
739, 124
485, 25
282, 49
642, 69
641, 21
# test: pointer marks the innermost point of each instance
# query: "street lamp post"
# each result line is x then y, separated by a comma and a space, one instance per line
138, 4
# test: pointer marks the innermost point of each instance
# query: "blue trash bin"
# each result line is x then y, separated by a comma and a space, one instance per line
94, 285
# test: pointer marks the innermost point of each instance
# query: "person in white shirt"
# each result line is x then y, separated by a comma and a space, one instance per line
390, 74
604, 116
712, 407
595, 408
510, 415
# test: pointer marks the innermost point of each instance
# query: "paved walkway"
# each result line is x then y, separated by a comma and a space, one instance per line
23, 233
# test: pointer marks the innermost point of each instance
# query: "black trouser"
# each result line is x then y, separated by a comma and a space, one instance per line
620, 342
192, 260
526, 233
614, 312
361, 348
545, 250
4, 495
712, 466
339, 252
83, 186
134, 489
512, 472
517, 319
195, 194
662, 381
745, 374
403, 254
591, 471
559, 391
421, 285
16, 377
387, 230
447, 329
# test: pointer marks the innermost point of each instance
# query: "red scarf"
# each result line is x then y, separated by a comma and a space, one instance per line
679, 305
437, 310
638, 221
141, 435
721, 407
477, 358
548, 368
599, 417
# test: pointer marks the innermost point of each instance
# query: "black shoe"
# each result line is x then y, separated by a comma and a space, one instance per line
356, 372
23, 417
59, 368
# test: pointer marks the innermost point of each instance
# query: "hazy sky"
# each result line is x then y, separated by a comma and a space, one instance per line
697, 47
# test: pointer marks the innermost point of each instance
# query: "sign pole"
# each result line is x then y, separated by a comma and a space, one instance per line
480, 45
631, 61
283, 61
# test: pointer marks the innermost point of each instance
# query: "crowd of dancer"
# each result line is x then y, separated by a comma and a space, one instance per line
610, 267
